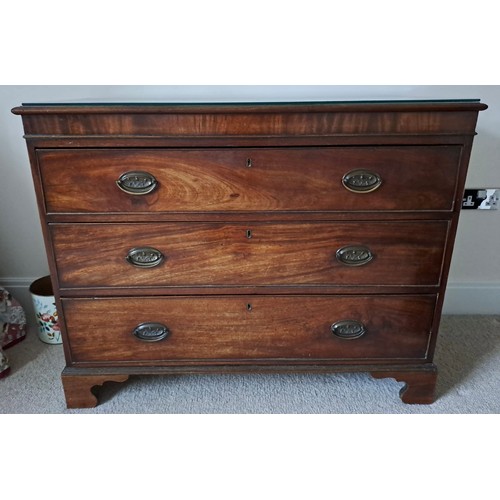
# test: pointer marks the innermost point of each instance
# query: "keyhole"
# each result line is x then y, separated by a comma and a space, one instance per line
249, 307
249, 233
249, 162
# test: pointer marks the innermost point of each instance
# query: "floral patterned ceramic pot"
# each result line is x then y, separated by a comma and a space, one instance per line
45, 311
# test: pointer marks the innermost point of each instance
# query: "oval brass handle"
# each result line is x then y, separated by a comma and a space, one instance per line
151, 332
144, 257
137, 183
348, 329
354, 255
361, 181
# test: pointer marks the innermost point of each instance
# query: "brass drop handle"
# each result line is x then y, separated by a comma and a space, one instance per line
354, 255
361, 181
137, 183
348, 329
151, 332
144, 257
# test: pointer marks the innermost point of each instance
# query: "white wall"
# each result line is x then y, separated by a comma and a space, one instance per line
474, 282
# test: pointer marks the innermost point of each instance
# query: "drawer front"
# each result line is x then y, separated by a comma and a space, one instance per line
248, 328
211, 254
265, 179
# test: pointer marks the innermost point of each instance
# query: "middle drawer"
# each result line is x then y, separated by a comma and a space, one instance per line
255, 254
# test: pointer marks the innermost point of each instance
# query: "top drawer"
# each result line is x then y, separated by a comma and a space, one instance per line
250, 179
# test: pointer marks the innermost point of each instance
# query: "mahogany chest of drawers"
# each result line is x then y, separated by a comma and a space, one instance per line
251, 237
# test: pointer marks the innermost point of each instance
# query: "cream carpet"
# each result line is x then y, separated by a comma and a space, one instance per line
468, 359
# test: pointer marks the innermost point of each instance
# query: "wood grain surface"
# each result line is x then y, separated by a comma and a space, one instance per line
279, 179
292, 254
398, 327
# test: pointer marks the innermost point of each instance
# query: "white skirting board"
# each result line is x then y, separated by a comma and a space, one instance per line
460, 298
472, 298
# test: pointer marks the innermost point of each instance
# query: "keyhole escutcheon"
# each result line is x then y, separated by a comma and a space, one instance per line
248, 233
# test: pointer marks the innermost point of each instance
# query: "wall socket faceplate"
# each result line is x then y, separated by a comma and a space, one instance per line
481, 198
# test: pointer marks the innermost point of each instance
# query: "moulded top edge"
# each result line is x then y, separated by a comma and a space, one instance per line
81, 107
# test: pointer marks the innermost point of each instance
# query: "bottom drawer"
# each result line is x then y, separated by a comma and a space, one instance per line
248, 328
